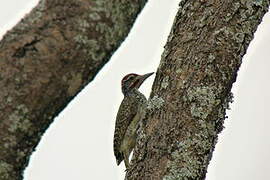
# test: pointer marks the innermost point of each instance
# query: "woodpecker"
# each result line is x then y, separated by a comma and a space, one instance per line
129, 114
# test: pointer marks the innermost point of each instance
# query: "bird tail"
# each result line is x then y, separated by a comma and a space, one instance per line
119, 158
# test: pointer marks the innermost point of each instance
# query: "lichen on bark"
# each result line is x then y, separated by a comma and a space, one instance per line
45, 60
198, 67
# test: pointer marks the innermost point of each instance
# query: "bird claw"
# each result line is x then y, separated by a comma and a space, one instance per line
129, 168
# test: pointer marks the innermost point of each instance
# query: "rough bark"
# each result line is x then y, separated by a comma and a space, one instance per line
46, 60
192, 88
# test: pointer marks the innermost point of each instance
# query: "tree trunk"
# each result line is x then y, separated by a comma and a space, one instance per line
192, 88
46, 60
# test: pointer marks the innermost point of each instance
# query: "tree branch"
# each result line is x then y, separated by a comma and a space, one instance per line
46, 60
192, 88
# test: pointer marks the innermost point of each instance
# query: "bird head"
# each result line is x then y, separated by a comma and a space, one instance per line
133, 81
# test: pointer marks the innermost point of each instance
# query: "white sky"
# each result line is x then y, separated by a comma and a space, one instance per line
78, 145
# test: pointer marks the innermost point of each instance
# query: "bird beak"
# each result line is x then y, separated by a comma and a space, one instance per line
142, 78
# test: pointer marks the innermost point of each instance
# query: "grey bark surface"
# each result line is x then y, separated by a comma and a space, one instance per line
46, 60
192, 88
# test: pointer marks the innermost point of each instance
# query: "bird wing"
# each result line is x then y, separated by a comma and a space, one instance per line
127, 111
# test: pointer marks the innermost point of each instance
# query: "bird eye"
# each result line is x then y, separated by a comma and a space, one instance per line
129, 77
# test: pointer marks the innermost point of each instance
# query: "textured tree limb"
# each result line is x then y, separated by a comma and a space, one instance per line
46, 60
192, 88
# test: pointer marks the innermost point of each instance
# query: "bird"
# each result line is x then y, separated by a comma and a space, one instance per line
129, 114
